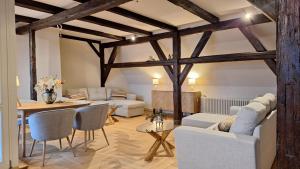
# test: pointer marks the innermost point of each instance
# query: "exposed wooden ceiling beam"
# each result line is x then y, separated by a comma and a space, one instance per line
141, 18
91, 32
230, 57
222, 25
80, 11
267, 6
258, 46
26, 19
196, 10
203, 59
138, 17
198, 49
115, 25
142, 64
79, 38
38, 6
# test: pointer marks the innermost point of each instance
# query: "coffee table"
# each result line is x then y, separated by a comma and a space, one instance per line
154, 131
110, 117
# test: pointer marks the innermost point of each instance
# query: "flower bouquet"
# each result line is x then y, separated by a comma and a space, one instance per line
47, 86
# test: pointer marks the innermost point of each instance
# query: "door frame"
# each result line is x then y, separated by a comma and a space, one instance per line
8, 85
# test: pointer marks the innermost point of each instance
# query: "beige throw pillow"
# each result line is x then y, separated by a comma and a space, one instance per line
225, 125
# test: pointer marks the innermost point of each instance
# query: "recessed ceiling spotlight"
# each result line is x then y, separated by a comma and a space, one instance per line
133, 38
248, 16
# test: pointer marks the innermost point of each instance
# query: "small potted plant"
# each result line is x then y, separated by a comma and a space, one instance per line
47, 86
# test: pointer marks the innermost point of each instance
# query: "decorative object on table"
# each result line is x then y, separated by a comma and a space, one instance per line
47, 86
18, 85
157, 118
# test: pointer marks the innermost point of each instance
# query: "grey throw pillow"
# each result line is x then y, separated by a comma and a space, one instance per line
248, 118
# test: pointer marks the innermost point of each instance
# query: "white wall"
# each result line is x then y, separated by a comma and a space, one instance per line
81, 67
47, 59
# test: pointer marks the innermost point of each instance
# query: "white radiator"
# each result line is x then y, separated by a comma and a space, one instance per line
220, 105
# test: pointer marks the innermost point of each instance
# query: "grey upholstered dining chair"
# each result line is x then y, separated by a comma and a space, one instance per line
90, 118
51, 125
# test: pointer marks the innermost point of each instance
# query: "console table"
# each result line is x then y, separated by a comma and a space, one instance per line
164, 99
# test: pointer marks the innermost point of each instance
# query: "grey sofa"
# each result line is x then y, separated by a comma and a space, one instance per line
200, 145
129, 106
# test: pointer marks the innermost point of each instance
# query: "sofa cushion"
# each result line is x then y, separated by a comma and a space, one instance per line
264, 101
225, 124
127, 103
272, 99
80, 94
248, 118
202, 120
131, 96
98, 93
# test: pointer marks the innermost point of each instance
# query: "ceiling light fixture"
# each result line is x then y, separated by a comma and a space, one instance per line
248, 16
133, 38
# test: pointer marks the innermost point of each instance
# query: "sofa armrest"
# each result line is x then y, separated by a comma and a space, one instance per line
131, 96
209, 149
234, 110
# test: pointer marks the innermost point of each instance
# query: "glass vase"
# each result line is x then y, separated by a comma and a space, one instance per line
49, 97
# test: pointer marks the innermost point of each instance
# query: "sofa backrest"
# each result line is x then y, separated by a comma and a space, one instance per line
266, 133
97, 93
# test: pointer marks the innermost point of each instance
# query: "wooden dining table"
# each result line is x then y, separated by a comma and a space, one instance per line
26, 109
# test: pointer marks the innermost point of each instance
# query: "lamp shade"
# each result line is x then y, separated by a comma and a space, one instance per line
191, 81
17, 81
155, 81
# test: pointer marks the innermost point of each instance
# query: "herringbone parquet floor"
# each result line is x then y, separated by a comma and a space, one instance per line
126, 151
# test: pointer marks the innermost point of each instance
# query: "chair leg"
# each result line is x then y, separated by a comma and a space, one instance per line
85, 140
33, 144
74, 130
93, 131
89, 134
44, 152
70, 144
105, 136
19, 131
60, 146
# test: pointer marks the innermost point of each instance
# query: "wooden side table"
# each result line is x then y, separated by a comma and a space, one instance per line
160, 139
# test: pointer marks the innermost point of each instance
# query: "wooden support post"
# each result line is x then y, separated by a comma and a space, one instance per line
200, 46
288, 84
162, 57
102, 66
176, 78
100, 54
32, 59
111, 60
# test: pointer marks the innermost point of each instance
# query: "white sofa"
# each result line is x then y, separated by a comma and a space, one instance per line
199, 144
129, 106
